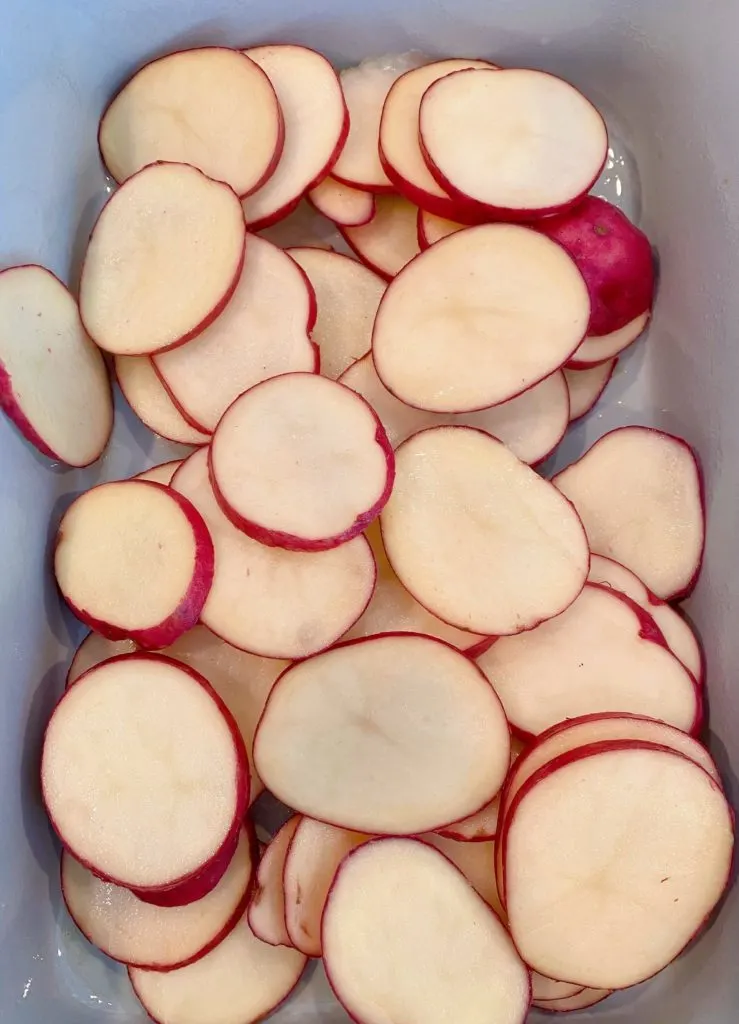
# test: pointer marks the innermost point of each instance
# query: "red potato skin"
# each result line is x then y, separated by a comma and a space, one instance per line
688, 589
281, 133
657, 602
255, 1020
390, 279
187, 885
282, 656
501, 213
227, 928
648, 630
360, 640
291, 542
363, 186
580, 754
310, 324
613, 256
416, 839
452, 832
284, 211
346, 224
12, 409
188, 419
187, 614
220, 305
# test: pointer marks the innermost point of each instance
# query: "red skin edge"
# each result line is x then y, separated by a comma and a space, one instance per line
187, 885
291, 204
365, 186
574, 230
281, 124
337, 876
580, 754
281, 654
343, 223
687, 590
227, 928
465, 211
222, 302
602, 388
478, 408
489, 641
186, 418
187, 613
276, 538
253, 1020
351, 643
344, 232
555, 730
260, 885
500, 213
310, 324
12, 409
650, 631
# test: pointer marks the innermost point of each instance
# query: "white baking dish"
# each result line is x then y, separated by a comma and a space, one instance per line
665, 75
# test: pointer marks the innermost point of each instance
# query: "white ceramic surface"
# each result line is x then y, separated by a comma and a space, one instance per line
665, 75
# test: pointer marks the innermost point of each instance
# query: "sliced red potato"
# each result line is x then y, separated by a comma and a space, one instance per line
209, 107
614, 257
54, 384
388, 241
477, 537
163, 260
301, 227
159, 803
586, 386
94, 649
513, 309
405, 937
394, 609
134, 560
241, 680
399, 147
365, 88
161, 474
241, 981
615, 855
432, 229
547, 990
602, 654
158, 938
265, 330
341, 203
594, 350
347, 297
424, 738
639, 493
677, 632
482, 826
316, 123
277, 603
494, 137
149, 399
581, 1001
266, 914
531, 424
580, 732
475, 861
301, 462
315, 852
